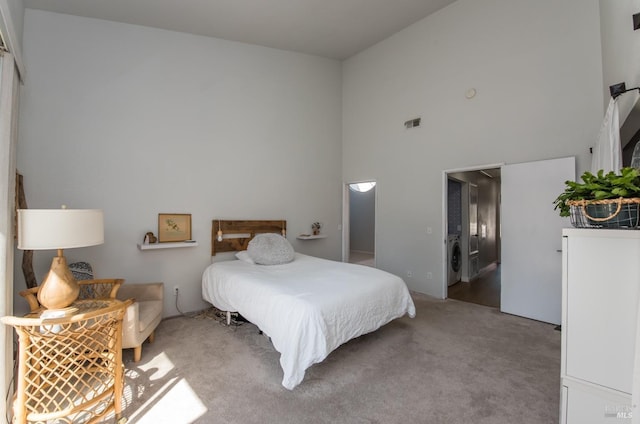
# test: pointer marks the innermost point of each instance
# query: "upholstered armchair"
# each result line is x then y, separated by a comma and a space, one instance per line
143, 316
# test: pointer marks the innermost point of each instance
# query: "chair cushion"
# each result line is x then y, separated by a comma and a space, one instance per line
81, 270
148, 311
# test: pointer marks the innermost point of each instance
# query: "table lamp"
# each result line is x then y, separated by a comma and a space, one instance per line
58, 229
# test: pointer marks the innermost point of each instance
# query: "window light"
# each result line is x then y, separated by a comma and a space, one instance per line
362, 187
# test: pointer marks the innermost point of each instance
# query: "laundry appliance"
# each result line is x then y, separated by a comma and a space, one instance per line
454, 259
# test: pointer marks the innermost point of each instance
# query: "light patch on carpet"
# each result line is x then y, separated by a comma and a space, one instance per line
158, 367
175, 403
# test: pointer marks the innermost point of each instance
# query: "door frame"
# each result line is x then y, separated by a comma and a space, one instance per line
445, 215
346, 214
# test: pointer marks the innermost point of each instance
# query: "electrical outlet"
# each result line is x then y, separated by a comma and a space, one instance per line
429, 276
409, 274
175, 291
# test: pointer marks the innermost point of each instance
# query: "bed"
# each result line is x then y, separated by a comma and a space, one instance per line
309, 306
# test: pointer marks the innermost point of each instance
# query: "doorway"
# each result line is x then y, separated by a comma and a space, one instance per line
360, 234
526, 238
473, 232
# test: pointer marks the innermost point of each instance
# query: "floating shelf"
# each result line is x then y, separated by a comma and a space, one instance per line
154, 246
310, 237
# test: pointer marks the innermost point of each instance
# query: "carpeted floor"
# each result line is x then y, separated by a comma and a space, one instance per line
455, 362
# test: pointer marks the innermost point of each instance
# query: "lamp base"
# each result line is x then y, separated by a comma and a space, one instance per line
59, 289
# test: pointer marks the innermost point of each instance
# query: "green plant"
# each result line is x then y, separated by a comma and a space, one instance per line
600, 186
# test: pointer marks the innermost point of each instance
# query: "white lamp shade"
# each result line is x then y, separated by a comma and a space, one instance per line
46, 229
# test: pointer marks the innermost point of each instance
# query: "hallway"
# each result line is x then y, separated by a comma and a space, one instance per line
484, 290
361, 258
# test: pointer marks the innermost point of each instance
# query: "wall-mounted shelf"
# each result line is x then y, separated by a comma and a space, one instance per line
154, 246
310, 237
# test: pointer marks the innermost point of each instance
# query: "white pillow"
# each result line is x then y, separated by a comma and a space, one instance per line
243, 255
270, 249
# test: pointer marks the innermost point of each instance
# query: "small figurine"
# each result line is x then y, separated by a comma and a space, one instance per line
149, 238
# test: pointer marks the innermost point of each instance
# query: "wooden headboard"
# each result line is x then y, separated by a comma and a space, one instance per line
237, 234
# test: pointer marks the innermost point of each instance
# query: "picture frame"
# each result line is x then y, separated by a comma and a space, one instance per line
174, 227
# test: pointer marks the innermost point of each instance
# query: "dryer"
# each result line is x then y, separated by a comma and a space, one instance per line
454, 259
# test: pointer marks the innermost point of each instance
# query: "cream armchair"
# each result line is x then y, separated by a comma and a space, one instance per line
143, 316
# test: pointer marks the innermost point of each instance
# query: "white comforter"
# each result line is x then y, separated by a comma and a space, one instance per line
308, 307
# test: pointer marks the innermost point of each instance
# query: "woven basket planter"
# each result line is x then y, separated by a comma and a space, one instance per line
609, 213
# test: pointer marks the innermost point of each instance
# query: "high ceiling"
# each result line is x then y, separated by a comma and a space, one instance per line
331, 28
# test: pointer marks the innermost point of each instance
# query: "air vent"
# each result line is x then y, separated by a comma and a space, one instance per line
412, 123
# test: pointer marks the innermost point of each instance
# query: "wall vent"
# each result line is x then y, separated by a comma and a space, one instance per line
412, 123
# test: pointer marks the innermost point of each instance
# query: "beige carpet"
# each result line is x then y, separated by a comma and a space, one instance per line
454, 363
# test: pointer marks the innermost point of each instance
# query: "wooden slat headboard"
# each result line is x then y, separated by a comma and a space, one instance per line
246, 228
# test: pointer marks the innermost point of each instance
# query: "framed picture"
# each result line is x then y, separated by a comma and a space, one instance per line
173, 227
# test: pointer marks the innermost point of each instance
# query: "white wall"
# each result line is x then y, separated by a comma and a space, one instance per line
620, 47
537, 69
138, 121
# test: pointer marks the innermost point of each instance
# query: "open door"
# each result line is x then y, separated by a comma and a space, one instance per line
532, 238
359, 242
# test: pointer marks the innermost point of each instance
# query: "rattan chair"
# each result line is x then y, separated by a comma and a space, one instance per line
70, 369
142, 316
89, 289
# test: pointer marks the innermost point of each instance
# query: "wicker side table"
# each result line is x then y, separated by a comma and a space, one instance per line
70, 368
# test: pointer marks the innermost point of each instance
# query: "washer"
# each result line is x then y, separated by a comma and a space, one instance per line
454, 259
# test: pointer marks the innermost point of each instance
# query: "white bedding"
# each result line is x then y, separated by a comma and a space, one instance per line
309, 306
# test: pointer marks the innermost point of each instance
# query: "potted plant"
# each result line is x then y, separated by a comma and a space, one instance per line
606, 200
315, 227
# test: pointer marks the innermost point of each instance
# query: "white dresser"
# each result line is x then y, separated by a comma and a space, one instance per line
600, 287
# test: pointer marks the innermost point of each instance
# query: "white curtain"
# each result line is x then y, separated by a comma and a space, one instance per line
607, 154
8, 121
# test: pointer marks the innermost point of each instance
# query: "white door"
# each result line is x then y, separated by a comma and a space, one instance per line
532, 238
